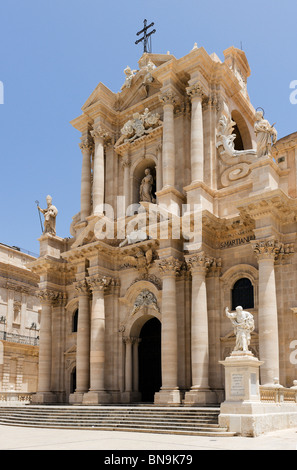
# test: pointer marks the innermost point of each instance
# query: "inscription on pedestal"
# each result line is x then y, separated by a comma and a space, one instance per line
254, 388
237, 385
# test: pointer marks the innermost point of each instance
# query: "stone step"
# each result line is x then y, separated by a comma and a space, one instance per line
193, 421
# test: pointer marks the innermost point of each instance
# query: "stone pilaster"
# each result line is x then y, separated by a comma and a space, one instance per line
197, 141
266, 251
86, 147
169, 393
199, 264
97, 394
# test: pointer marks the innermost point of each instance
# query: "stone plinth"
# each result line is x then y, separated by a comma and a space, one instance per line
242, 411
51, 245
96, 398
241, 377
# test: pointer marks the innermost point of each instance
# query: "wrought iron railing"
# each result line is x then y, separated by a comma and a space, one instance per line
21, 339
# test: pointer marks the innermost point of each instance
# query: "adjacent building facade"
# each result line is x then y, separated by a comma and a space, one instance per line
187, 208
19, 326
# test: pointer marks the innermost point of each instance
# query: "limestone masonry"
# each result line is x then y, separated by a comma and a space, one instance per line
188, 206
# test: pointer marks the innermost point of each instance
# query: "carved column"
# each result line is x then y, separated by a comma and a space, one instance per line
83, 341
266, 252
44, 392
100, 136
97, 394
197, 142
135, 365
168, 100
86, 147
128, 364
200, 393
169, 392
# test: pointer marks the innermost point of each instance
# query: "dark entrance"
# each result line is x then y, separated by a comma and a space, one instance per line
150, 379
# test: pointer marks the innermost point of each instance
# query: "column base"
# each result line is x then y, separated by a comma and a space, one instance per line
76, 398
168, 397
131, 397
44, 398
96, 398
200, 396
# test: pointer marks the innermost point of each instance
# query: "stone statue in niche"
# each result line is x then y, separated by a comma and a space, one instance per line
243, 323
146, 187
265, 133
50, 214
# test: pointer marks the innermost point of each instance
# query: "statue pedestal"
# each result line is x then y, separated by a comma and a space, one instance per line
241, 377
242, 393
51, 245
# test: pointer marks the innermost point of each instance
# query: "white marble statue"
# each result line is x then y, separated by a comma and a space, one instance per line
243, 323
129, 77
50, 214
146, 187
265, 133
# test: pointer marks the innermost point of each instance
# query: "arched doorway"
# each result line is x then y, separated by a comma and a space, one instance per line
149, 356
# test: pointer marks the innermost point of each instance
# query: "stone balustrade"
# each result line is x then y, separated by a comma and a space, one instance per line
13, 398
278, 394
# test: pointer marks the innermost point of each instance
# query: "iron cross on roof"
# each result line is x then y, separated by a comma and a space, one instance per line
146, 35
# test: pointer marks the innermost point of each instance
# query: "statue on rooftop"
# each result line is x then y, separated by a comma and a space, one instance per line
265, 133
50, 214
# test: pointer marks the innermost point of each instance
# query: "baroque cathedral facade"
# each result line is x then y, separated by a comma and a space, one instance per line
188, 206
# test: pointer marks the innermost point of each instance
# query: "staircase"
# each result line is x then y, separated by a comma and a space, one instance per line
151, 419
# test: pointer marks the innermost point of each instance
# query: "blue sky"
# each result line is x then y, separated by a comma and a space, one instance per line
53, 53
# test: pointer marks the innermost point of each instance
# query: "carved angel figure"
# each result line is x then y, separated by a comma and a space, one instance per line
129, 77
226, 139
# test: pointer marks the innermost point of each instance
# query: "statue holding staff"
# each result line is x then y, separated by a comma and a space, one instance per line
50, 214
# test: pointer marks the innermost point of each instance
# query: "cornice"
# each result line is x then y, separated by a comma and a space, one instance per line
275, 203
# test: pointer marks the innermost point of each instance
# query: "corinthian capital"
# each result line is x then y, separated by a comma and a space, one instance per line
195, 90
168, 97
49, 296
82, 287
267, 249
99, 133
86, 145
199, 262
169, 266
99, 282
272, 249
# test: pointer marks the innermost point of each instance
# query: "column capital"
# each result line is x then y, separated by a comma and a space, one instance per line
195, 91
272, 249
199, 262
86, 145
129, 339
81, 287
50, 297
99, 133
169, 266
168, 97
99, 283
126, 162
